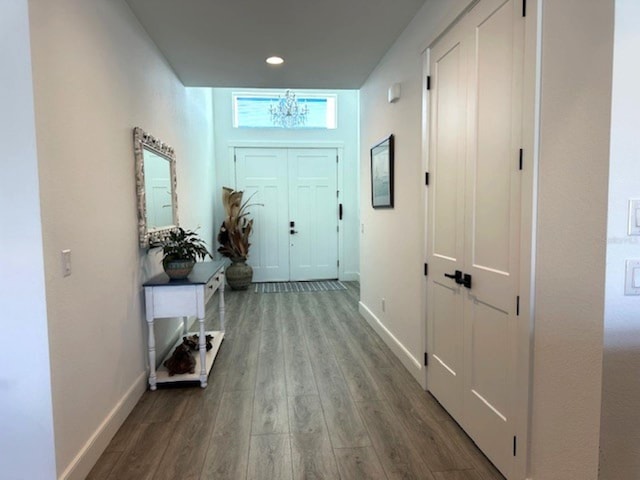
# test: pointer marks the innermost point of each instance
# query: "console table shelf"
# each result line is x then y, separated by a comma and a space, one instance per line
162, 373
186, 298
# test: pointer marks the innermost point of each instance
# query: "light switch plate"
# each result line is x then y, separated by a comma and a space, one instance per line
634, 216
632, 280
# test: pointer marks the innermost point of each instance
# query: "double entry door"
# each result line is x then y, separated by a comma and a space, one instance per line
295, 233
474, 224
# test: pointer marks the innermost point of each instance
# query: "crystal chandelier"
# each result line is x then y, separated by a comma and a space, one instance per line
287, 112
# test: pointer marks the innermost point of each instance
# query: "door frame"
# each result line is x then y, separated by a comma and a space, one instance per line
338, 146
528, 212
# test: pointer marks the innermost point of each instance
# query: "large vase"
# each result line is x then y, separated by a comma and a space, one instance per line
239, 274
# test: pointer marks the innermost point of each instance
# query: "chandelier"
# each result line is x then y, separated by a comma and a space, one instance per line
287, 112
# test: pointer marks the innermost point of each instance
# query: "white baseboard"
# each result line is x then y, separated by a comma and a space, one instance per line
404, 355
87, 457
350, 277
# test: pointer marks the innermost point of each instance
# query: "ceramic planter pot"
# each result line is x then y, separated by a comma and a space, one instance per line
239, 274
178, 269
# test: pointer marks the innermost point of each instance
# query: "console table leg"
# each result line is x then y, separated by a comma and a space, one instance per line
152, 355
203, 354
221, 303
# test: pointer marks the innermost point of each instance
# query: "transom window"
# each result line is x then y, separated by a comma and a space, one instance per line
252, 110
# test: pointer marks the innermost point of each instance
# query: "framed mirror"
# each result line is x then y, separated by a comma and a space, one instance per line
156, 187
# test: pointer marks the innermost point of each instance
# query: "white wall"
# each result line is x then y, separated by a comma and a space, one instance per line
96, 76
345, 135
572, 209
620, 422
572, 193
26, 415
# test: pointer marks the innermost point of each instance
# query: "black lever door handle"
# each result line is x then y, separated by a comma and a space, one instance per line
457, 276
293, 232
340, 211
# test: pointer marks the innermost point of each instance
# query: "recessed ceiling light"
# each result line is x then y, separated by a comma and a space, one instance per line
275, 60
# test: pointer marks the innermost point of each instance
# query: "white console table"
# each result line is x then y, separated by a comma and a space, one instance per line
167, 298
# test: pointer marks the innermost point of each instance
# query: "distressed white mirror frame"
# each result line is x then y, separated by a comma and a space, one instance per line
143, 141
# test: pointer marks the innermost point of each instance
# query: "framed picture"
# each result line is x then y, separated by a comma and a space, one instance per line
382, 174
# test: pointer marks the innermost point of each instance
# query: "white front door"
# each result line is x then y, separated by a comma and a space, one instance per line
296, 227
313, 211
262, 172
474, 205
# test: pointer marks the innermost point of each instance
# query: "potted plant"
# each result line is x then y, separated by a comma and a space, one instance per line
181, 248
234, 238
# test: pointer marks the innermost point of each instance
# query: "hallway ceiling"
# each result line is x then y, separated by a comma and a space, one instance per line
224, 43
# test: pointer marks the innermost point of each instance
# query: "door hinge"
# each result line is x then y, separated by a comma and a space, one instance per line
518, 306
338, 263
426, 178
426, 269
428, 82
337, 159
234, 158
515, 445
524, 8
338, 228
337, 193
521, 159
426, 359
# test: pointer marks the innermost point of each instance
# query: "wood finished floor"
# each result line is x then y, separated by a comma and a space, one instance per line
302, 388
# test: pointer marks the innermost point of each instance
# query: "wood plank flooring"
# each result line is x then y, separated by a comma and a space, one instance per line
302, 388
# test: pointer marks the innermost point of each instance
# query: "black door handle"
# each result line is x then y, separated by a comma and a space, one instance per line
457, 276
292, 224
340, 211
466, 281
292, 231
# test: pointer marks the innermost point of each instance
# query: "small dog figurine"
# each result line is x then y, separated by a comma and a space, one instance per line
194, 342
181, 361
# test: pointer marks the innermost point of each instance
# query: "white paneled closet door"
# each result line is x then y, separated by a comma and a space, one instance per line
296, 227
474, 223
445, 242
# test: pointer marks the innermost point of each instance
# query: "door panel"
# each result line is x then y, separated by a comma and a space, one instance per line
492, 226
313, 201
448, 155
493, 188
445, 367
445, 242
262, 172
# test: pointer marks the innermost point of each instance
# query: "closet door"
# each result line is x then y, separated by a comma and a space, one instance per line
445, 241
492, 226
262, 172
474, 224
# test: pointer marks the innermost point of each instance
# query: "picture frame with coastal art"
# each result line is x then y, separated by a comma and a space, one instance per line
382, 174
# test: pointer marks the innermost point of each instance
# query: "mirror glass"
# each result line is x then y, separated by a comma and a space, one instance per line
156, 187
